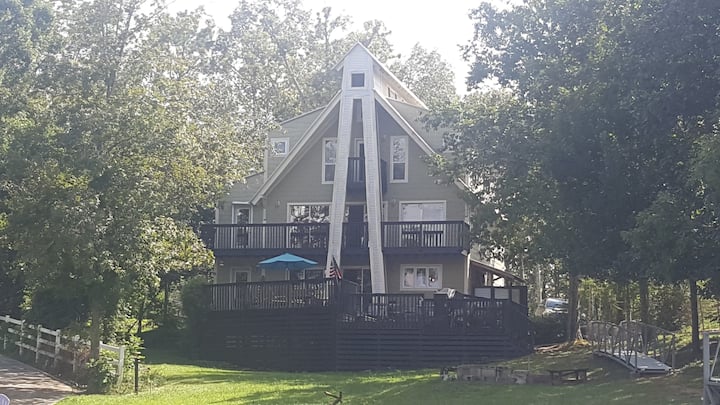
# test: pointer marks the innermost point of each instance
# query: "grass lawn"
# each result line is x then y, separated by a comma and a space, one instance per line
185, 383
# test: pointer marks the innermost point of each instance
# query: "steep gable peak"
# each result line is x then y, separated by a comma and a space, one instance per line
362, 70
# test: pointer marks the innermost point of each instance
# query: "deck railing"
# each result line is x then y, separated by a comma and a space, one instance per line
398, 237
272, 295
425, 234
356, 174
255, 237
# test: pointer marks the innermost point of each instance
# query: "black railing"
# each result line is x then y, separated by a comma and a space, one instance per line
355, 236
262, 237
398, 237
272, 295
423, 235
464, 314
356, 174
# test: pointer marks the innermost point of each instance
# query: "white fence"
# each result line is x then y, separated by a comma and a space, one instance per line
52, 344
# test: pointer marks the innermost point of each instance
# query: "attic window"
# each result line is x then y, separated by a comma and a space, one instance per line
357, 80
279, 146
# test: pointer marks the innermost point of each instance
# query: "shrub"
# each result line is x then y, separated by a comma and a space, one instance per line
196, 306
100, 375
549, 329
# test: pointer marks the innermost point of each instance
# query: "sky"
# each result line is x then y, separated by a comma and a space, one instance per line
436, 25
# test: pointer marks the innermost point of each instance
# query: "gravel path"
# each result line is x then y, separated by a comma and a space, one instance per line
26, 385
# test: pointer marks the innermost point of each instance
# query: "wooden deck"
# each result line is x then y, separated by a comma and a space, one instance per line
319, 325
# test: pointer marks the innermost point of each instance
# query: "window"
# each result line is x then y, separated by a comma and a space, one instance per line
422, 211
279, 146
309, 213
421, 277
329, 158
241, 214
307, 274
242, 276
357, 80
357, 115
399, 153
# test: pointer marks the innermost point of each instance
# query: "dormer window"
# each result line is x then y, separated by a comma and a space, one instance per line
357, 80
279, 146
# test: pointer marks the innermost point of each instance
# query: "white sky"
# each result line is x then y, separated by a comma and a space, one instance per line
436, 25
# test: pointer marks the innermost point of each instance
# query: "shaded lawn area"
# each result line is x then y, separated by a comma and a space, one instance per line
185, 383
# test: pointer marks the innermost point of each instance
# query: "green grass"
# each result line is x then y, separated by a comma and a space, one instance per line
186, 383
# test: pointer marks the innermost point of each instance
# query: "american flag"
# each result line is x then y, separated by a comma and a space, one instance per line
335, 271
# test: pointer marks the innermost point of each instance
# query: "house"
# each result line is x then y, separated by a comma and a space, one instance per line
350, 181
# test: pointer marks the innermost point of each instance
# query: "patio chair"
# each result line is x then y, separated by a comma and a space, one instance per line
4, 400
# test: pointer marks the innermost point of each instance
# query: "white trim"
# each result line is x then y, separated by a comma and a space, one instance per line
322, 173
365, 80
304, 139
439, 268
393, 79
236, 207
443, 202
279, 140
287, 210
358, 142
407, 158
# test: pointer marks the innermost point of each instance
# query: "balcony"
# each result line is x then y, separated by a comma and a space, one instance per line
356, 175
264, 239
425, 237
397, 238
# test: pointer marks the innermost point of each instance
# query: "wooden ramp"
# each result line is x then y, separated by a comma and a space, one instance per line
640, 347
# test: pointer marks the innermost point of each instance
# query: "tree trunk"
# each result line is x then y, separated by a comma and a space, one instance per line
694, 320
140, 317
573, 295
95, 328
619, 303
166, 301
644, 301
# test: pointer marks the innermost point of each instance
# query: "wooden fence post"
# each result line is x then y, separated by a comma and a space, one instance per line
38, 338
121, 363
75, 340
5, 331
22, 336
58, 343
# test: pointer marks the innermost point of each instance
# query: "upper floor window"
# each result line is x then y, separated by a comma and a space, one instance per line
241, 214
357, 80
422, 211
279, 146
329, 158
399, 158
309, 213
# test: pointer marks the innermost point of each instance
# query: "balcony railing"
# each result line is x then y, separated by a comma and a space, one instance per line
249, 239
420, 236
397, 237
356, 174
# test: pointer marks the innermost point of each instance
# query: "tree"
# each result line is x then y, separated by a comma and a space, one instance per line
429, 76
123, 138
585, 139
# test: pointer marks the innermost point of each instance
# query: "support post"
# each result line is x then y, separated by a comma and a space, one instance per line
38, 338
706, 369
22, 336
121, 363
58, 343
75, 364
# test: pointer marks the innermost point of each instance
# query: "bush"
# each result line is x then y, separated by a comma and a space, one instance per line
100, 375
549, 329
196, 306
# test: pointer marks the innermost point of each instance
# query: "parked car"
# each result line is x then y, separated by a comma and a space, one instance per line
552, 306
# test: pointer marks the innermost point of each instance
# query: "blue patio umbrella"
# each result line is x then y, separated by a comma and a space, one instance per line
287, 261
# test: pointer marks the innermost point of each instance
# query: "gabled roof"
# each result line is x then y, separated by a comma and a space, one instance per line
401, 88
298, 149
